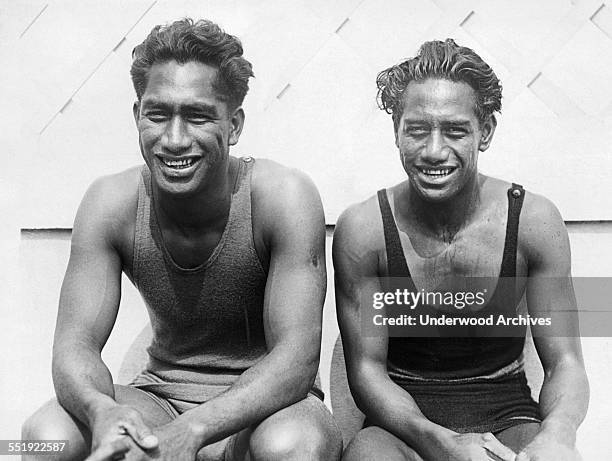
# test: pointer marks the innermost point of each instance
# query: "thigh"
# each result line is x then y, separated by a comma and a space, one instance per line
376, 443
53, 422
155, 411
304, 430
517, 437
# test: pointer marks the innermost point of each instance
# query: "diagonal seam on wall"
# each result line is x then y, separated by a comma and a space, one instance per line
93, 72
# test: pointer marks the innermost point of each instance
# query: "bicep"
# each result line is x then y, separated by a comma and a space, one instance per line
90, 292
550, 291
355, 273
296, 283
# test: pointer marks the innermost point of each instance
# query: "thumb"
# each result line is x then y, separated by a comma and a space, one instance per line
141, 434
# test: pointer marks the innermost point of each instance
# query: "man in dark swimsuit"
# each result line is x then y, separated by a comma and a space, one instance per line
455, 398
228, 255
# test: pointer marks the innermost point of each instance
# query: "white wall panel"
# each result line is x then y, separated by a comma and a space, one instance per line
312, 104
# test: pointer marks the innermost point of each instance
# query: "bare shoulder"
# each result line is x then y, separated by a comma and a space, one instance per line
109, 205
539, 214
114, 195
543, 235
540, 219
358, 236
279, 185
286, 208
360, 223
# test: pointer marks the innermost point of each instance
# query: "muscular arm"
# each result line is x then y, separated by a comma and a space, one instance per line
385, 403
89, 302
88, 307
294, 227
565, 392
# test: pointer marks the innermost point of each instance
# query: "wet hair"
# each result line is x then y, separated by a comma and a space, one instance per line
446, 60
202, 41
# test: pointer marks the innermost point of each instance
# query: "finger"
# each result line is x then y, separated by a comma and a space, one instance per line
497, 450
110, 450
141, 434
494, 457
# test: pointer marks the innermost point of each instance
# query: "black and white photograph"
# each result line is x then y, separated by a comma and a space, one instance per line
306, 230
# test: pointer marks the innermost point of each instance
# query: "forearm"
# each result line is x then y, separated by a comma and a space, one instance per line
83, 383
564, 400
277, 381
389, 406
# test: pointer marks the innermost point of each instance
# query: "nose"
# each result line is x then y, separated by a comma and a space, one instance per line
176, 138
435, 150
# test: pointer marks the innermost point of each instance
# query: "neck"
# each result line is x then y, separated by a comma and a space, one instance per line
201, 210
446, 218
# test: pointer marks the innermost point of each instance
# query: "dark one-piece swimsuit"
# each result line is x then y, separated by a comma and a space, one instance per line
466, 384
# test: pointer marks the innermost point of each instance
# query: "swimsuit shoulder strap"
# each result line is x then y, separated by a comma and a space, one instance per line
396, 261
516, 195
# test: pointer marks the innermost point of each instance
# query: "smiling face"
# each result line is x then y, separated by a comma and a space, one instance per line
439, 137
185, 127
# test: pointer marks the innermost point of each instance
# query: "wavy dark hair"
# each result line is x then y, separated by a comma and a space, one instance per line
446, 60
202, 41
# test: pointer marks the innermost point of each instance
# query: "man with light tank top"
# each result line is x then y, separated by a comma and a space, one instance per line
228, 255
443, 395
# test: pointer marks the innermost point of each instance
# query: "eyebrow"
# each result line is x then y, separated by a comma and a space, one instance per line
417, 121
193, 107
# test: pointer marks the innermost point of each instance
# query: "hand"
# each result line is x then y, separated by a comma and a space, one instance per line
177, 441
479, 447
544, 448
117, 429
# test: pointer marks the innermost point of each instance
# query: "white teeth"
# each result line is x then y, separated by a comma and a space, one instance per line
179, 163
432, 172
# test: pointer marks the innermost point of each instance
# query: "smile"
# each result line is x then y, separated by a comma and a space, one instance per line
178, 164
436, 172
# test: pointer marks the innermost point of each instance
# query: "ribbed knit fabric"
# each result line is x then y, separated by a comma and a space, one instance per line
207, 321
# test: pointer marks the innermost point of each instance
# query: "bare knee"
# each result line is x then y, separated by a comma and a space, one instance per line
376, 443
293, 441
52, 422
43, 426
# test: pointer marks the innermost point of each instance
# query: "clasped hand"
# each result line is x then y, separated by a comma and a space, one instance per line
120, 433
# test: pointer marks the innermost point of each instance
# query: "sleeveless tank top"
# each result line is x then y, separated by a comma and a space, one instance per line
207, 321
456, 357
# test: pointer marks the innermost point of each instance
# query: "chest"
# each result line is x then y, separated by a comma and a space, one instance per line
192, 249
439, 260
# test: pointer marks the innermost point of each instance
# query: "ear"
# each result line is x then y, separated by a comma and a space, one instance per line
487, 131
136, 111
237, 122
395, 133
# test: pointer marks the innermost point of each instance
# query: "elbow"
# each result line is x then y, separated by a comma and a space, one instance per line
567, 379
308, 378
67, 352
361, 382
59, 357
360, 396
292, 370
569, 367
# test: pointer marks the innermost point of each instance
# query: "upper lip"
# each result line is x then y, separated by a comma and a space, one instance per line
436, 168
171, 157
